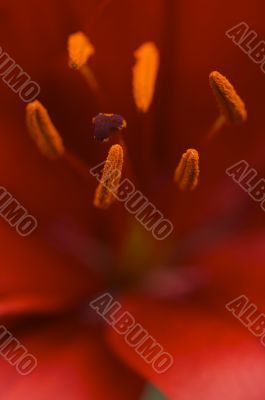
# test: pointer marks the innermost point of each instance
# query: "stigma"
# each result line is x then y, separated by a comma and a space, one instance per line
106, 125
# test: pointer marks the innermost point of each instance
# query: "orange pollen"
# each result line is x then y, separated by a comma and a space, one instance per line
231, 106
80, 49
105, 192
187, 172
145, 73
43, 131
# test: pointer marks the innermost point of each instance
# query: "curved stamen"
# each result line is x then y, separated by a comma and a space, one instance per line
231, 106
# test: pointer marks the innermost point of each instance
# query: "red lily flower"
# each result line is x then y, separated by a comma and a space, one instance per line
176, 288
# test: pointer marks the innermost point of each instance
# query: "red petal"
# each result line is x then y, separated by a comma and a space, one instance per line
215, 356
40, 269
73, 363
236, 266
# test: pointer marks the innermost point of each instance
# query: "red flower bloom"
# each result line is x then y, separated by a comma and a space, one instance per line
176, 288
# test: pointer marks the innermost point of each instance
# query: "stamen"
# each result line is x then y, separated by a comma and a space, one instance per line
187, 171
42, 131
91, 80
145, 74
79, 50
105, 192
106, 124
231, 106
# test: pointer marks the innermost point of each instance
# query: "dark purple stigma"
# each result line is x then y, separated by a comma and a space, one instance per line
107, 124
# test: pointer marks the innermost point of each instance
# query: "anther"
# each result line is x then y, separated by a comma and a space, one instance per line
145, 73
231, 106
79, 50
187, 172
109, 182
42, 131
